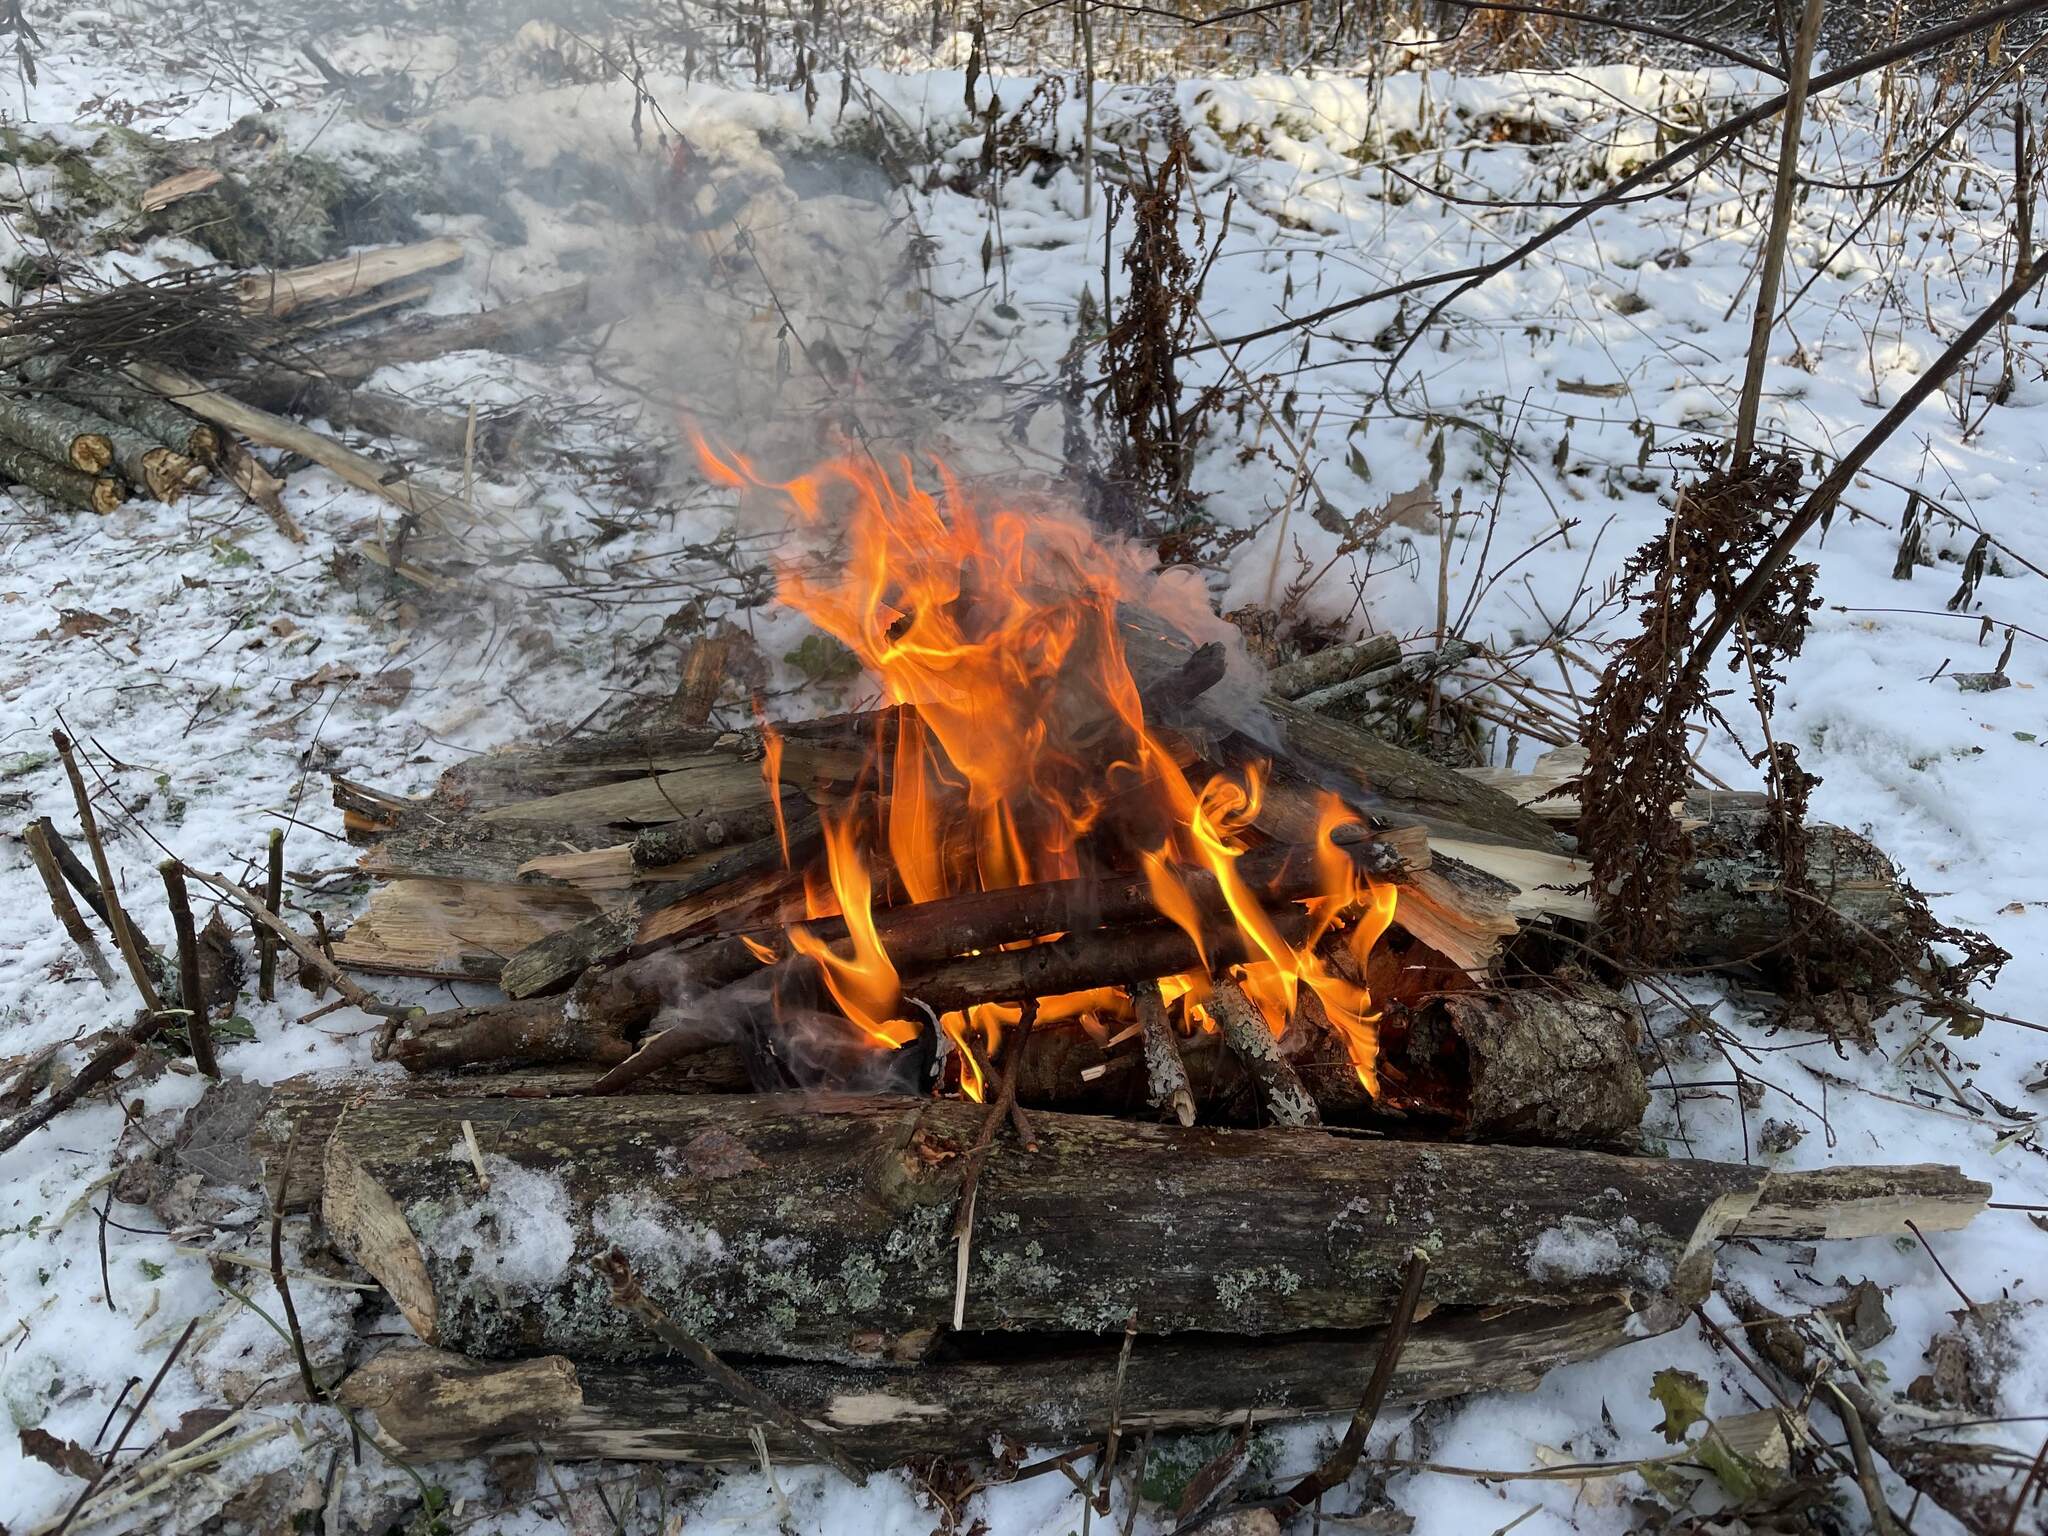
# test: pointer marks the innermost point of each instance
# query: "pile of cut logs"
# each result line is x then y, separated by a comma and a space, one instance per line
625, 1218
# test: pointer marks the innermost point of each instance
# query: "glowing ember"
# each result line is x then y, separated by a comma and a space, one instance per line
1021, 754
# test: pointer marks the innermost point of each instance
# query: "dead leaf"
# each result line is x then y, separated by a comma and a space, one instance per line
1416, 509
76, 623
284, 629
333, 672
60, 1455
387, 690
1683, 1397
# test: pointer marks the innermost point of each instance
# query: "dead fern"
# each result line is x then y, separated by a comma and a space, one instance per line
1637, 764
1154, 431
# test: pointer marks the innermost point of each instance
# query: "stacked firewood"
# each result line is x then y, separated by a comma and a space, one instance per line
626, 1159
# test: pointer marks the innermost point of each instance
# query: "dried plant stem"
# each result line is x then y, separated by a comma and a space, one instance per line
1772, 265
62, 904
1344, 1459
126, 939
273, 901
107, 1462
628, 1295
313, 965
1881, 1519
191, 994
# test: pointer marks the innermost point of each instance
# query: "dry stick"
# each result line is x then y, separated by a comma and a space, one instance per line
62, 904
77, 874
1344, 1459
1107, 1469
190, 994
977, 1156
1166, 1075
1866, 1472
1914, 1228
125, 937
107, 1461
1245, 1032
312, 963
627, 1294
277, 1277
273, 901
2019, 1499
102, 1066
1772, 266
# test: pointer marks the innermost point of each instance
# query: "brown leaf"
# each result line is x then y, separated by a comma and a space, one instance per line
75, 623
333, 672
60, 1455
387, 690
1414, 508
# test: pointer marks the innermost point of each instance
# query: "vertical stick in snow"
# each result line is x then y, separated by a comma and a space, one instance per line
1774, 241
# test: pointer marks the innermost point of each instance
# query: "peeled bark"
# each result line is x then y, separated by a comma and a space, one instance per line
819, 1227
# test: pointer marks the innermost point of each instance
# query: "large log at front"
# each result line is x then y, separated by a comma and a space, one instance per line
818, 1227
431, 1404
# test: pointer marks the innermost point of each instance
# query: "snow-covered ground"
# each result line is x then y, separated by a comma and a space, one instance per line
216, 673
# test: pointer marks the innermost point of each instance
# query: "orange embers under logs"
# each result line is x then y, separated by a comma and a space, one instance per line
1023, 754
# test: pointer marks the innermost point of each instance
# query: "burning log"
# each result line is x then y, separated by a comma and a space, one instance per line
430, 1404
587, 1025
1246, 1033
818, 1227
1166, 1075
88, 493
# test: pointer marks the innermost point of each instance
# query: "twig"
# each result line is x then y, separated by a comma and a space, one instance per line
1914, 1227
1772, 266
2019, 1499
125, 937
103, 1066
1245, 1032
1866, 1472
277, 1275
190, 992
62, 904
977, 1156
1344, 1459
273, 901
77, 874
1166, 1075
476, 1156
311, 961
1107, 1468
1411, 669
107, 1461
626, 1292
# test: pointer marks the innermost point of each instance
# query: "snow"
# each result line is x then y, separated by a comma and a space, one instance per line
203, 716
520, 1235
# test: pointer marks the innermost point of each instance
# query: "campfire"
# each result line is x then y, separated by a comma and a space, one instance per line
1019, 761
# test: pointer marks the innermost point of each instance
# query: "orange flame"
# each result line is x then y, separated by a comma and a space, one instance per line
1020, 734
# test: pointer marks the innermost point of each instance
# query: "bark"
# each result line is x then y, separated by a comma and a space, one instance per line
125, 401
510, 327
588, 1025
88, 493
1732, 907
57, 431
817, 1226
432, 1404
1248, 1037
1335, 664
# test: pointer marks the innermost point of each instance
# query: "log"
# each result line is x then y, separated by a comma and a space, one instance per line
88, 493
145, 463
1333, 664
430, 1404
816, 1226
282, 293
588, 1025
56, 431
498, 434
527, 323
1248, 1038
133, 405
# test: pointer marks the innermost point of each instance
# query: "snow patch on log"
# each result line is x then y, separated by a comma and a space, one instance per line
1578, 1248
518, 1236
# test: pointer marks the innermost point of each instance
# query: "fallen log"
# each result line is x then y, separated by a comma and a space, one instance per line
284, 292
816, 1226
494, 438
526, 323
431, 1404
56, 431
145, 463
88, 493
133, 405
